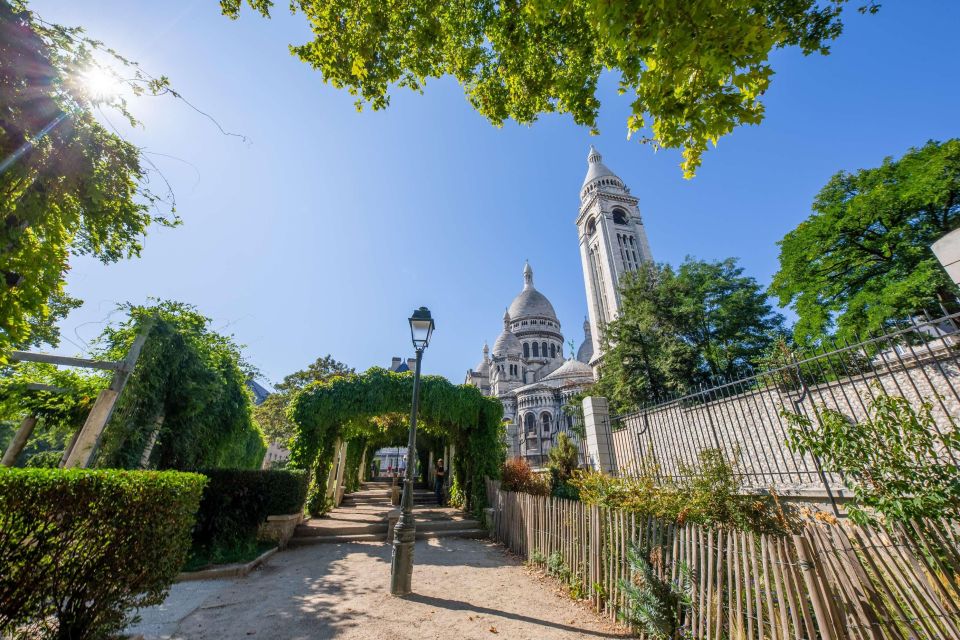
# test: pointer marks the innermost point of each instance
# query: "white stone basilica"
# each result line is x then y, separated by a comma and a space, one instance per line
526, 369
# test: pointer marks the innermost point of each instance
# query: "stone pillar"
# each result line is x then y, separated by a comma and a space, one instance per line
430, 470
341, 467
947, 250
596, 422
19, 441
332, 476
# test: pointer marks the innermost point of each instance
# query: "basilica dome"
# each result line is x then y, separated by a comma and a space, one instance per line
531, 302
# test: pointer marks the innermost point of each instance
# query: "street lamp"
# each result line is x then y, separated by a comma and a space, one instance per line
404, 532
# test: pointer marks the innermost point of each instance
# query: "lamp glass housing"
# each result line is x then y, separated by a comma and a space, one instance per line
421, 328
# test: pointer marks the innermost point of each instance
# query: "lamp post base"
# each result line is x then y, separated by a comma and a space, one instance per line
401, 564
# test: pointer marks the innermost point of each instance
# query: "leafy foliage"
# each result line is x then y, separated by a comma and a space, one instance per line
59, 414
656, 606
67, 185
863, 256
236, 502
271, 414
896, 461
562, 461
681, 328
696, 69
192, 377
361, 405
710, 495
81, 549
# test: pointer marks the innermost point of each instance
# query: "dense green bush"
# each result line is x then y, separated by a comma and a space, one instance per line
237, 501
80, 549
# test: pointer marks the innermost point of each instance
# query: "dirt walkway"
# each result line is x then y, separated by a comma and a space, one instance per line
463, 589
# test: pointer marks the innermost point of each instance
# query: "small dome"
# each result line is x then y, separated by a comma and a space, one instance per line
484, 366
531, 302
507, 344
572, 369
585, 352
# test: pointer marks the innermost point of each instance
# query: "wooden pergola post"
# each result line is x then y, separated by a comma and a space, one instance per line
19, 441
81, 455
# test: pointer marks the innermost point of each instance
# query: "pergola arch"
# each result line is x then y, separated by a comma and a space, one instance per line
375, 406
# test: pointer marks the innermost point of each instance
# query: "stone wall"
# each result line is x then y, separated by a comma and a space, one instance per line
745, 417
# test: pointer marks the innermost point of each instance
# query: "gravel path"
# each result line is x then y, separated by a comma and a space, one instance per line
463, 589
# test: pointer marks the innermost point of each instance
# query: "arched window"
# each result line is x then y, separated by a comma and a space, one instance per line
546, 421
526, 350
619, 216
543, 349
536, 350
591, 227
530, 422
553, 351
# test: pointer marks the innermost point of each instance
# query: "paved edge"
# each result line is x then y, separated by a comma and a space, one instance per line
227, 571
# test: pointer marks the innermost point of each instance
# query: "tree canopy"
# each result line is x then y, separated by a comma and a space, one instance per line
694, 69
68, 186
683, 327
271, 414
863, 259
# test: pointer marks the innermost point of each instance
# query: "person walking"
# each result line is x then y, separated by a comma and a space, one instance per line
440, 473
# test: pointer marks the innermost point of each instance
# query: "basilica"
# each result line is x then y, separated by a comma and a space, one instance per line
527, 369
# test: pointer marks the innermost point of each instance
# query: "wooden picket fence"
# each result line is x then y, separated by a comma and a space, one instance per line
833, 580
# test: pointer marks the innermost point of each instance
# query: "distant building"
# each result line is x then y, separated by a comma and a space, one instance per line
275, 451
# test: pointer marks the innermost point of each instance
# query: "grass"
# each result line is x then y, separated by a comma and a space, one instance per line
237, 553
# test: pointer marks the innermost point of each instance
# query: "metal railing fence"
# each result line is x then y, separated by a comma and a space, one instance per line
744, 418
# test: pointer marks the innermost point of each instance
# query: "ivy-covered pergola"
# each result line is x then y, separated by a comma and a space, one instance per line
369, 410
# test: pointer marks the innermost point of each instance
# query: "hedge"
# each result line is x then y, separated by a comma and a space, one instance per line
237, 501
80, 549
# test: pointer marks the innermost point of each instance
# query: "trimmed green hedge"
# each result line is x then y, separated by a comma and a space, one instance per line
80, 549
237, 501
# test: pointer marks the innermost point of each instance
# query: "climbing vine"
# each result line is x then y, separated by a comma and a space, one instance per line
371, 404
188, 388
60, 411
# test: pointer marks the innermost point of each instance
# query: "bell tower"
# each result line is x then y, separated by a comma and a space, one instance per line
613, 242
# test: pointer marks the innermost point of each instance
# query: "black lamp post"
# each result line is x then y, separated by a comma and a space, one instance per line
401, 565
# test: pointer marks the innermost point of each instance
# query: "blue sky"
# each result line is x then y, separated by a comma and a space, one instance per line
329, 226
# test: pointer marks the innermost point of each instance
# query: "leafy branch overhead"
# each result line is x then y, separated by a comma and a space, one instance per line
695, 70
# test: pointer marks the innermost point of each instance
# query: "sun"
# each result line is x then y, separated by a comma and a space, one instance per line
101, 84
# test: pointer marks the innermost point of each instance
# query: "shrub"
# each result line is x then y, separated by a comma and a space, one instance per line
237, 501
710, 495
80, 549
563, 460
895, 460
517, 475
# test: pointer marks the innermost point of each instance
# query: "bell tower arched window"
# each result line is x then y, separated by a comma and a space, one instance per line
619, 216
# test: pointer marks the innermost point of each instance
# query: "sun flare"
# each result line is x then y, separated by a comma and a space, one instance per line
101, 84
